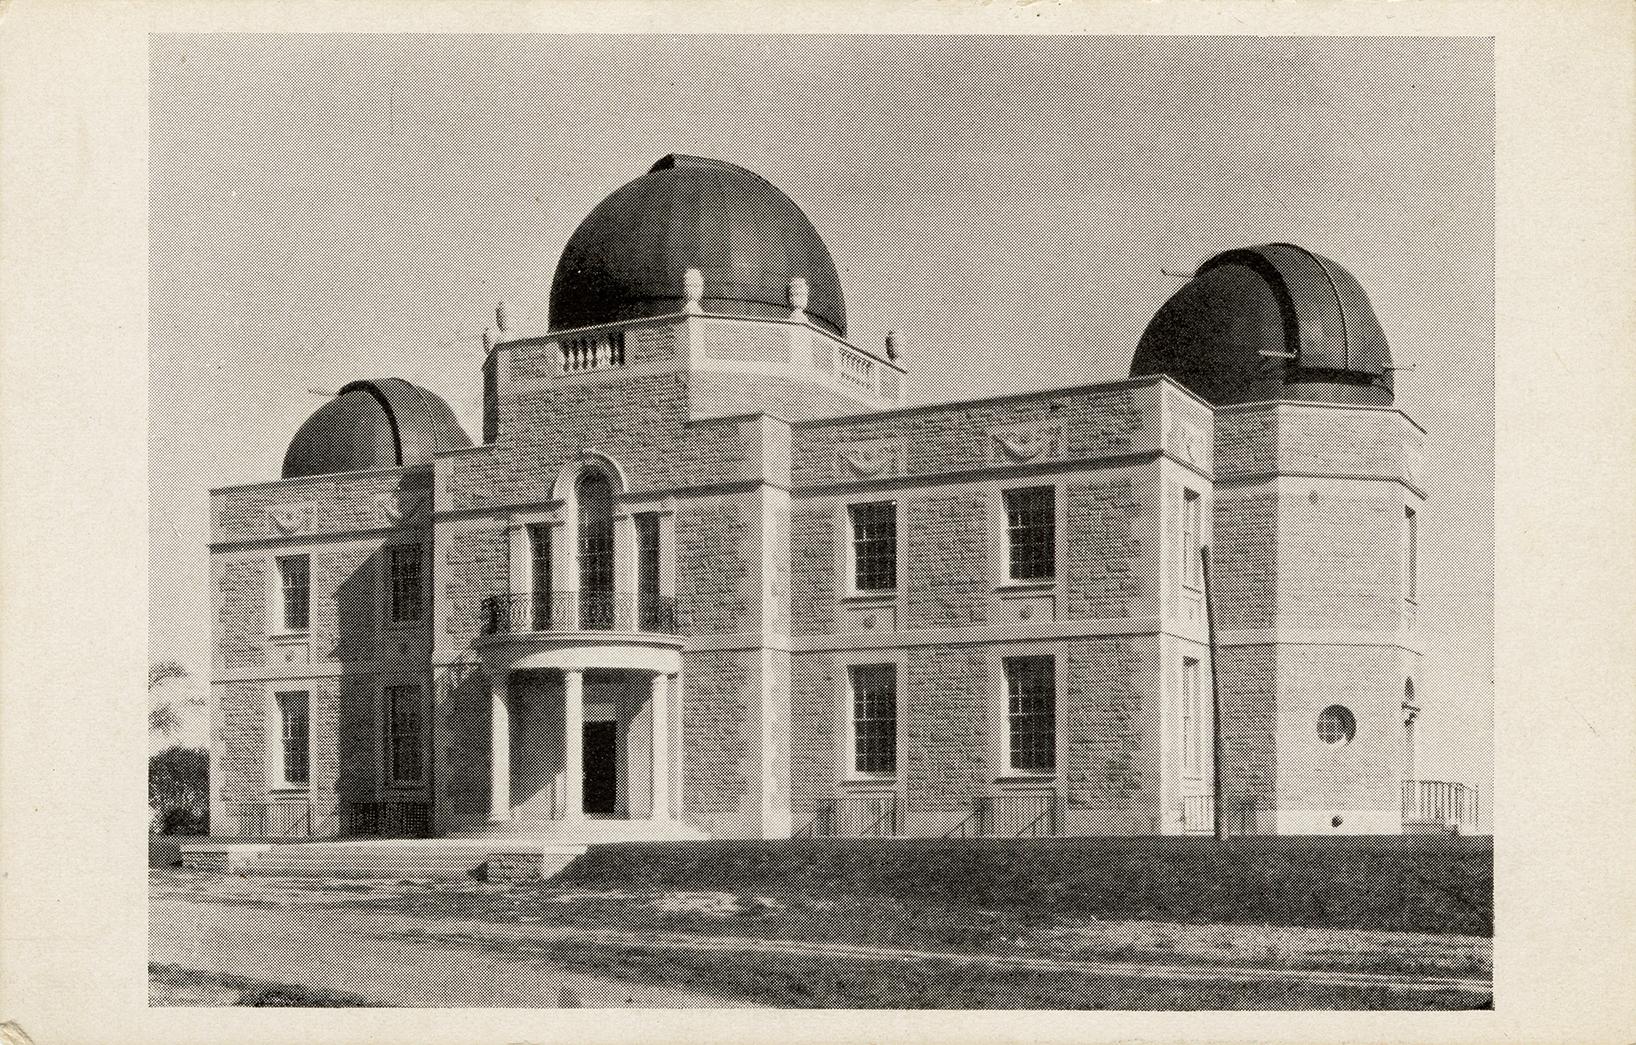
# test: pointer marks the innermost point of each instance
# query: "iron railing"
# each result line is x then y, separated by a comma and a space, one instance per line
270, 819
390, 819
1453, 807
856, 816
1024, 814
578, 611
1199, 814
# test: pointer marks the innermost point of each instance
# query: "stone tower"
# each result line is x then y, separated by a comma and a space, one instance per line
1317, 509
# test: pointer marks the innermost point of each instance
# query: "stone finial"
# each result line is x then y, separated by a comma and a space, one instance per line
798, 297
693, 290
892, 345
488, 340
502, 320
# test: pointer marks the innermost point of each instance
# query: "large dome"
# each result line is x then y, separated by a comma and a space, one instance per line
629, 257
1270, 322
373, 424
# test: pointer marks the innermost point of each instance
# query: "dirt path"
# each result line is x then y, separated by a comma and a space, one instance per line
286, 932
381, 957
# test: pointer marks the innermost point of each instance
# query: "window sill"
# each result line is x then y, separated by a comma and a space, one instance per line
1023, 776
1040, 587
289, 636
859, 780
278, 791
402, 625
871, 596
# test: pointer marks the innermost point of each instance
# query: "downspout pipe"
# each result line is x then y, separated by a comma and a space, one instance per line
1216, 739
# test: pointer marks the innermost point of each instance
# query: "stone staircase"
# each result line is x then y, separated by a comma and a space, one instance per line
521, 850
399, 859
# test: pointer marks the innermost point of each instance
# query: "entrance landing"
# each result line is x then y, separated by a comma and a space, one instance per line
583, 832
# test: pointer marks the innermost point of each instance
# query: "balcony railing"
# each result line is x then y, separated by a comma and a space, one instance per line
856, 816
1437, 804
578, 611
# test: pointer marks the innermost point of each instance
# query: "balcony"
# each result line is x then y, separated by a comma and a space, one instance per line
524, 613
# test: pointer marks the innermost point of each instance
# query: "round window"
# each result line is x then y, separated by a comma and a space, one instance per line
1336, 726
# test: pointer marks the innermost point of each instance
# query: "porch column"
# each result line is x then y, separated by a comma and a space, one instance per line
659, 716
573, 743
499, 750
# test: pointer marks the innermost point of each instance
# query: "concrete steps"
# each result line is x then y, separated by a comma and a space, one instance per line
581, 832
434, 860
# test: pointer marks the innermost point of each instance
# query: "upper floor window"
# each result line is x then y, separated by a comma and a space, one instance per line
874, 546
1193, 719
596, 551
1411, 538
1031, 715
1031, 533
403, 577
403, 734
294, 574
1192, 527
539, 574
293, 736
874, 718
647, 570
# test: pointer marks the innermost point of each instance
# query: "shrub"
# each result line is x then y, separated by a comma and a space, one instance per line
179, 790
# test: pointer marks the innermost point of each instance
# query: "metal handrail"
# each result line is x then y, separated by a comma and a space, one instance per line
578, 611
1453, 805
828, 820
262, 819
396, 818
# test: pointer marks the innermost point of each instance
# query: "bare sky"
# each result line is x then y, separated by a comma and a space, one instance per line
332, 207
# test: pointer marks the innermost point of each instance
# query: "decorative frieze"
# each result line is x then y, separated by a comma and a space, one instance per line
1025, 444
290, 519
869, 459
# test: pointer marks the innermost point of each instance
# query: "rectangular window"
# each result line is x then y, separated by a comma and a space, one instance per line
875, 546
294, 574
1192, 719
293, 736
649, 612
1031, 714
1031, 533
539, 575
1411, 535
403, 723
875, 718
403, 575
1192, 521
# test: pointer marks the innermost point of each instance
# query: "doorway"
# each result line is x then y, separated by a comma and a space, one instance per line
601, 753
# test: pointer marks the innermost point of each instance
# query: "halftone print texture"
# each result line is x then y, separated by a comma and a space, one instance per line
755, 654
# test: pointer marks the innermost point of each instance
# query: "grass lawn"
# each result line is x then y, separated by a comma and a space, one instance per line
172, 985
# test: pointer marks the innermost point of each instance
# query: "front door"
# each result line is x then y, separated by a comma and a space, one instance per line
601, 768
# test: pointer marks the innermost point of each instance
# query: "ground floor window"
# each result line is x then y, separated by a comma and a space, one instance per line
1193, 719
874, 718
403, 743
293, 720
1031, 716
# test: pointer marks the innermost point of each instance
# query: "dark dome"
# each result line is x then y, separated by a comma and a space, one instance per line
1270, 322
628, 258
373, 424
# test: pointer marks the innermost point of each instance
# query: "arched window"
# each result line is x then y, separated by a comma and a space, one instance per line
596, 551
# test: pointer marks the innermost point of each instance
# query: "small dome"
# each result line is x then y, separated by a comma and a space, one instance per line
629, 257
373, 424
1270, 322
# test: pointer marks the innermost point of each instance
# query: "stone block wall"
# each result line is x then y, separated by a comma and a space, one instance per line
717, 548
720, 770
1111, 545
945, 550
948, 736
1349, 780
1110, 740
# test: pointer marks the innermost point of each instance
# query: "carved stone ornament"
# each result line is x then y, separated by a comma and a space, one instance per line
292, 518
396, 508
870, 460
1188, 442
798, 294
692, 290
1021, 445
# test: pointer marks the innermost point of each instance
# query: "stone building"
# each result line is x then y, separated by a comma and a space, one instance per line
706, 574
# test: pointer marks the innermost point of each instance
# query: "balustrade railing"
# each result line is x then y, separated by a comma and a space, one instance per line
1454, 807
578, 611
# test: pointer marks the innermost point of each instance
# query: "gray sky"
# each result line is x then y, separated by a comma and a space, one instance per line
326, 208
